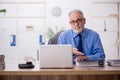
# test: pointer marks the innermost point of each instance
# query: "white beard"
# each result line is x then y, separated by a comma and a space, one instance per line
78, 31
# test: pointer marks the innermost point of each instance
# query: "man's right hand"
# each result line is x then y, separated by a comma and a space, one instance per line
75, 51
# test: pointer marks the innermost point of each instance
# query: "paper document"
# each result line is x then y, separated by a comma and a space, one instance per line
86, 63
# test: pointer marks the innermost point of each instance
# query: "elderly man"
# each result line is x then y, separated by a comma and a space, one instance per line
86, 43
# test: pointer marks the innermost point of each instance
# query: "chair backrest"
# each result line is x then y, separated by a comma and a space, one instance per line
53, 39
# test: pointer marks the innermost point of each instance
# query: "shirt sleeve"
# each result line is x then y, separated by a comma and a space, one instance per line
97, 50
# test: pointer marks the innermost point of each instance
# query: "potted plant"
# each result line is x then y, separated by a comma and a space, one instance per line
49, 33
3, 11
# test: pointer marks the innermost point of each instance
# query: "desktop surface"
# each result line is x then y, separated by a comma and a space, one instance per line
14, 70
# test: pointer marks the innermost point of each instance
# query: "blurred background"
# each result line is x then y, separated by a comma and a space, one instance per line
27, 24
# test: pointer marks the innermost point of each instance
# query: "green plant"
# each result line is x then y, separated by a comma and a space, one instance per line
2, 10
49, 33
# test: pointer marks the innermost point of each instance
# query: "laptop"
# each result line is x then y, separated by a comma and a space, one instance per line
56, 56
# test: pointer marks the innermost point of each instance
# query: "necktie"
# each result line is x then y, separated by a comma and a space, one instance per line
80, 48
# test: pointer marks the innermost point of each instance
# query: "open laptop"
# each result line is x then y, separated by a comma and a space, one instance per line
56, 56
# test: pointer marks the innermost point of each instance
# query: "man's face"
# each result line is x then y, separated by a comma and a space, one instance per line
77, 22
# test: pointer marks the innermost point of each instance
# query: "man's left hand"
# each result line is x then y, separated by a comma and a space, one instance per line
81, 58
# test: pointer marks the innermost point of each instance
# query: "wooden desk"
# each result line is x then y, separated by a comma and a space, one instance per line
77, 73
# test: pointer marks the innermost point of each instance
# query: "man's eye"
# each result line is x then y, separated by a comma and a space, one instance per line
79, 19
72, 21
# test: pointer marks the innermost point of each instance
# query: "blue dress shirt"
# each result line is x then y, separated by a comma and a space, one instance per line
92, 46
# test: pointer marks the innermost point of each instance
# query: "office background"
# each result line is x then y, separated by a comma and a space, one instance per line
22, 22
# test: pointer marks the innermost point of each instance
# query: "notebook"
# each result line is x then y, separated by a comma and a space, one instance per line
113, 62
90, 63
56, 56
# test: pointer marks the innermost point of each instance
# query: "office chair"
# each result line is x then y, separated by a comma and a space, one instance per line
53, 39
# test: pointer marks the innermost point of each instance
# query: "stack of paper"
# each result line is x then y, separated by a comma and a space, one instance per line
90, 63
2, 62
113, 62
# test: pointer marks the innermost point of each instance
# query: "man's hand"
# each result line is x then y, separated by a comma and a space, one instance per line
81, 58
80, 55
75, 51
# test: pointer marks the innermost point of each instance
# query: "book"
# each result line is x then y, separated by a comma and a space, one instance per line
90, 63
113, 62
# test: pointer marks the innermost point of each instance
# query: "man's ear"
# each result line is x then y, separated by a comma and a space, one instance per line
84, 21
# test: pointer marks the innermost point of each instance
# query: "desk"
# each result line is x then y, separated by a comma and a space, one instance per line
77, 73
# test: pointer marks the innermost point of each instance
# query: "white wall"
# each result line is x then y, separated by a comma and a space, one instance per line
66, 6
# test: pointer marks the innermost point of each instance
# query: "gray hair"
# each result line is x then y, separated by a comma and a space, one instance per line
76, 11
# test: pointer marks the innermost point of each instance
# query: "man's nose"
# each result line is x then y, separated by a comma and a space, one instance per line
76, 23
